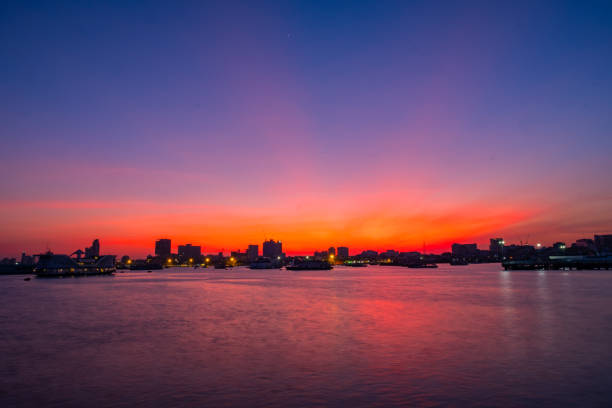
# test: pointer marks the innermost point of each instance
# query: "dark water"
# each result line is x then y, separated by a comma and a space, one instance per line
377, 336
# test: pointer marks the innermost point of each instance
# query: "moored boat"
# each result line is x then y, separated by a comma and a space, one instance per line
265, 263
355, 264
423, 265
310, 265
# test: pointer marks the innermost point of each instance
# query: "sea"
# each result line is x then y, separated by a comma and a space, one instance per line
380, 336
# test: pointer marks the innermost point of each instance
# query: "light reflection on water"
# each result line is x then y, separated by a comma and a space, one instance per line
376, 336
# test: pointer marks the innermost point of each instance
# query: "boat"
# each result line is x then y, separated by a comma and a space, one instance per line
145, 265
265, 263
355, 264
458, 261
63, 265
553, 262
310, 265
422, 265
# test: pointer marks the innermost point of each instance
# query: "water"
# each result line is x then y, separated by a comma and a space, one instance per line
376, 336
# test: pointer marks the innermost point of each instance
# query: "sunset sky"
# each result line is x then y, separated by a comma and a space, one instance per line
372, 125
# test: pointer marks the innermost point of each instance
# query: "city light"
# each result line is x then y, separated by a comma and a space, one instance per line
169, 260
190, 260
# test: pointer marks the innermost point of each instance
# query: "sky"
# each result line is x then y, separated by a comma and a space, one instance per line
367, 124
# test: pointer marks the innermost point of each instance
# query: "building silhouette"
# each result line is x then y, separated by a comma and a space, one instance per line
603, 243
252, 253
163, 247
464, 250
343, 253
94, 250
496, 247
189, 251
272, 249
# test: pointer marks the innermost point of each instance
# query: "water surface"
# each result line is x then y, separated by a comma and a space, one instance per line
377, 336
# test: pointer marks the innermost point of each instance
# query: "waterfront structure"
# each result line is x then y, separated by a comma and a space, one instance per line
94, 250
189, 251
62, 265
272, 249
464, 250
26, 260
585, 243
496, 247
252, 253
559, 245
343, 253
239, 258
389, 254
556, 262
323, 255
603, 243
163, 247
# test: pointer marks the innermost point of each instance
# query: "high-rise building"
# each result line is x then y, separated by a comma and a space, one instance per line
496, 246
190, 252
272, 249
94, 250
252, 253
343, 253
603, 243
332, 251
163, 247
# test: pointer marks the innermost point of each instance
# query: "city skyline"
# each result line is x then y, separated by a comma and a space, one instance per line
163, 248
366, 126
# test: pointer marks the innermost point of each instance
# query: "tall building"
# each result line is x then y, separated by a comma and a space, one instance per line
252, 253
27, 260
332, 251
163, 247
464, 250
190, 251
496, 246
603, 243
94, 250
272, 249
343, 253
